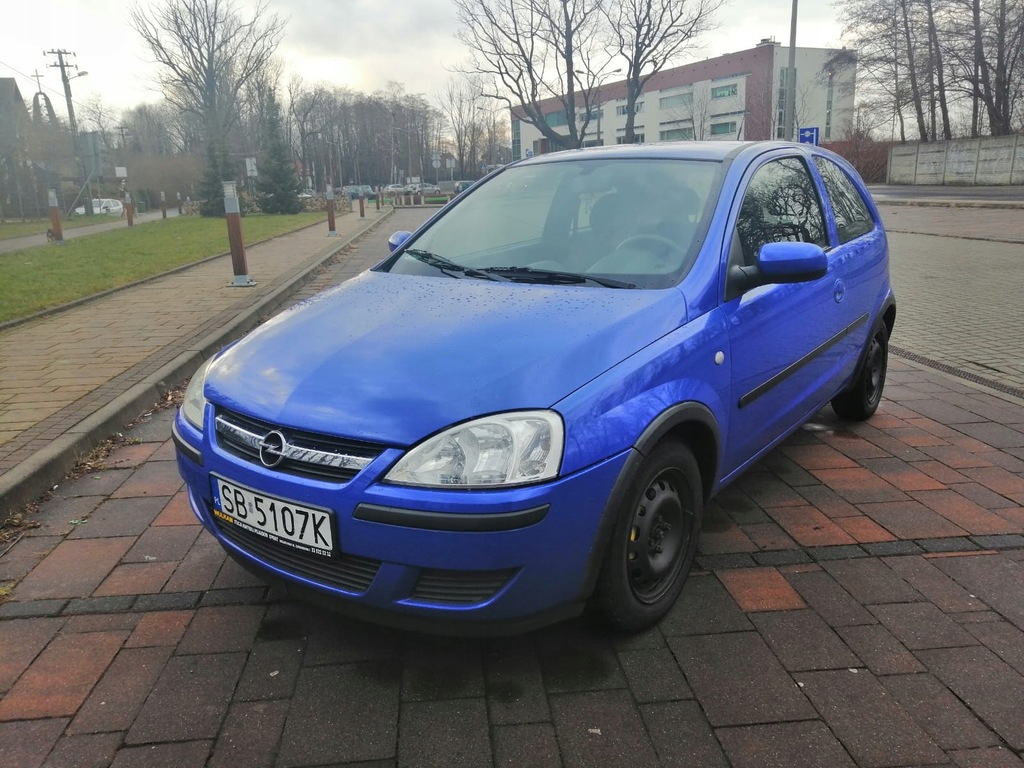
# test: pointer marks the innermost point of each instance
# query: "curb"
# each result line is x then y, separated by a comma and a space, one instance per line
39, 473
943, 203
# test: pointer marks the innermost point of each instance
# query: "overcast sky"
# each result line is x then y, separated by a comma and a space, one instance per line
361, 44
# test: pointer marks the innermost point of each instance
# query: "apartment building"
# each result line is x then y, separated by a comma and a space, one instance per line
739, 95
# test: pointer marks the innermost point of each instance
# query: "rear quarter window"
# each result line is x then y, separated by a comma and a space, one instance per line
852, 216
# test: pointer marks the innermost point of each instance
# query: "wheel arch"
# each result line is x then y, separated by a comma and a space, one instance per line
691, 423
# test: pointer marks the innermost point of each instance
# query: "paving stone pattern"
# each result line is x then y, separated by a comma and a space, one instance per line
857, 602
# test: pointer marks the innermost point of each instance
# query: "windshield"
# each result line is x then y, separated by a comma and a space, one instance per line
616, 223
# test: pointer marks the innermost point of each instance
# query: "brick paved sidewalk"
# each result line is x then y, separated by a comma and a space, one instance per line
858, 602
70, 378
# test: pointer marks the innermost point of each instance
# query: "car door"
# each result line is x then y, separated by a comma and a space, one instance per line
858, 253
783, 338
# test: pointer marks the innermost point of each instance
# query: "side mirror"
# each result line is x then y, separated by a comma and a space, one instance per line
780, 263
397, 240
792, 262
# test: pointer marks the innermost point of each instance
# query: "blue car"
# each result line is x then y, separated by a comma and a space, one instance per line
521, 412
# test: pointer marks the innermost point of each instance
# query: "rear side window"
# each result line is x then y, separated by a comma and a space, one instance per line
852, 216
780, 204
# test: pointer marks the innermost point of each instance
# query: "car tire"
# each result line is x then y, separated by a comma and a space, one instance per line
860, 399
654, 541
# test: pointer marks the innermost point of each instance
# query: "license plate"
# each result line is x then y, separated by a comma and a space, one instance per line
286, 522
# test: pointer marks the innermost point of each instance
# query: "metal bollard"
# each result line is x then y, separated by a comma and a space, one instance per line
56, 232
129, 211
233, 213
331, 229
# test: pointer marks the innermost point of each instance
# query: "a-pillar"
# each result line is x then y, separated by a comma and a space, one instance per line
233, 214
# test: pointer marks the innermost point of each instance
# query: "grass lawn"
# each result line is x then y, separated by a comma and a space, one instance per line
39, 226
33, 279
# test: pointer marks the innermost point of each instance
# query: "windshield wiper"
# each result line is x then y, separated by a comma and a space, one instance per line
553, 277
446, 267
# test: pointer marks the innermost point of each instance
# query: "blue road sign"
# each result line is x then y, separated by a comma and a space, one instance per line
809, 136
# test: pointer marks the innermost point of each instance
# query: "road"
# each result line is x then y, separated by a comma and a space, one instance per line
888, 192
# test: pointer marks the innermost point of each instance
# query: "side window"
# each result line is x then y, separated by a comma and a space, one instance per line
852, 216
780, 204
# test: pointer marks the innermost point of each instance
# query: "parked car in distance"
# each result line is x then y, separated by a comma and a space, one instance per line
391, 188
523, 410
355, 191
462, 186
306, 193
104, 205
423, 188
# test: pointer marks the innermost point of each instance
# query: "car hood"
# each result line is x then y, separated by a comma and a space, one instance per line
393, 358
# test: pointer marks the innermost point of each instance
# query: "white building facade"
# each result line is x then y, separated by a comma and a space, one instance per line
736, 96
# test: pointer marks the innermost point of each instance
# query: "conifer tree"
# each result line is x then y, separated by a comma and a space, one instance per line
211, 189
277, 185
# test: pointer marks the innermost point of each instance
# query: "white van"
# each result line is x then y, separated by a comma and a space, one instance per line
107, 205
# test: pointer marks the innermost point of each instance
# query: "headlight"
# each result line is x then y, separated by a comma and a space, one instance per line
502, 450
195, 403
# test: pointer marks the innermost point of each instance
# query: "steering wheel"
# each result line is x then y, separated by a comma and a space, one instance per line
661, 240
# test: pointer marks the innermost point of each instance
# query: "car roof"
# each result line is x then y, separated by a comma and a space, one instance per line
675, 150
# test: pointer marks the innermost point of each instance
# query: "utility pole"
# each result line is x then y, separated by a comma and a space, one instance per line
64, 67
790, 113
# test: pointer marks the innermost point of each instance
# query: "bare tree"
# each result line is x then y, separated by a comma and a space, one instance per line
307, 110
537, 50
989, 59
649, 34
209, 52
149, 129
461, 105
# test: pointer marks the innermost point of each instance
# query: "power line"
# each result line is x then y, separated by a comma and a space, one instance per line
59, 92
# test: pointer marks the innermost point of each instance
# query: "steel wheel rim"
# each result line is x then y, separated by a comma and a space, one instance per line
876, 371
658, 537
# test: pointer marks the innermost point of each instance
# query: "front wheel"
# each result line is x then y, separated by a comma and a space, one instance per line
654, 541
860, 400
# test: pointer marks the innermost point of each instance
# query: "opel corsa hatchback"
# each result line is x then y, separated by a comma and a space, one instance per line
521, 412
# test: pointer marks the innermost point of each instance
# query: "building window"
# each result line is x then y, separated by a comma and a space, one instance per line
637, 109
724, 91
676, 134
723, 129
675, 100
555, 118
828, 108
780, 120
639, 138
595, 114
517, 141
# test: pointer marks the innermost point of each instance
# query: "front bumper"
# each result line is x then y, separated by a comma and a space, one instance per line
458, 561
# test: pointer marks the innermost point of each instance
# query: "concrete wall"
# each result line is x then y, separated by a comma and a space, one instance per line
988, 160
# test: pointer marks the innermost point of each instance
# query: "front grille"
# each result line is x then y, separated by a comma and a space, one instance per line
347, 572
461, 587
308, 454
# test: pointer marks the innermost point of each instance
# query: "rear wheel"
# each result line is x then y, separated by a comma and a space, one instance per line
860, 400
654, 541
